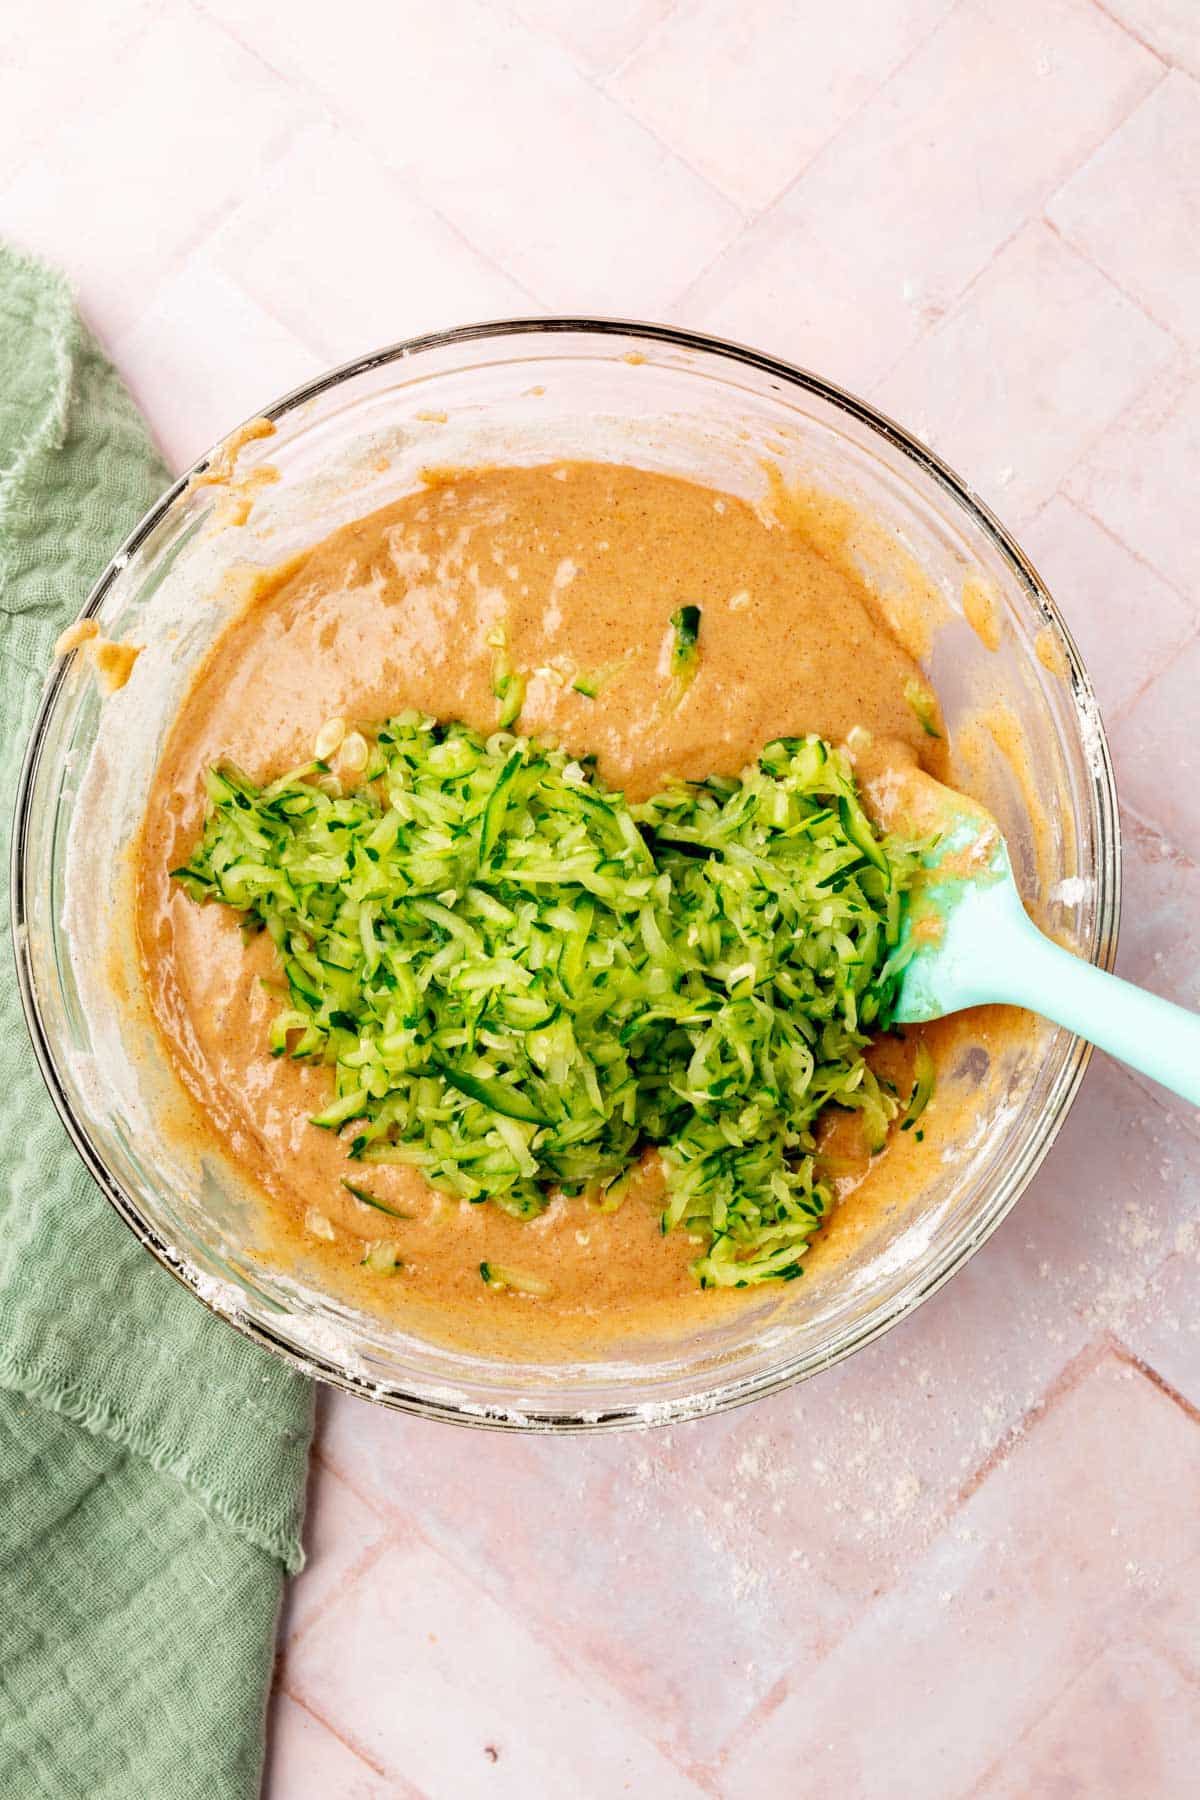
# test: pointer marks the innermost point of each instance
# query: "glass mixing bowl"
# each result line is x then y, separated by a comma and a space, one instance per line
527, 391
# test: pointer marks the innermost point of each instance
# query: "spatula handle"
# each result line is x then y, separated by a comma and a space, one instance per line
1151, 1034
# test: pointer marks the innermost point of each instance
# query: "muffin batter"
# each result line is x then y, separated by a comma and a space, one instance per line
579, 569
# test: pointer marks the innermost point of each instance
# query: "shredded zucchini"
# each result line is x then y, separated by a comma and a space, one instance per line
520, 980
923, 707
590, 682
381, 1259
508, 684
685, 651
922, 1093
499, 1277
369, 1199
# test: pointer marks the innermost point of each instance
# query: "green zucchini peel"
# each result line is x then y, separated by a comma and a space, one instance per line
923, 707
685, 651
923, 1084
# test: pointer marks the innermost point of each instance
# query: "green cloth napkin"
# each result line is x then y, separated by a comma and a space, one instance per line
152, 1463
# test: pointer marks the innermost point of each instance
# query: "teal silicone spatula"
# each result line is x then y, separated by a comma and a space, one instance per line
974, 944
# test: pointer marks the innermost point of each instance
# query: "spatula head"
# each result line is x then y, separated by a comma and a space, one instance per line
964, 908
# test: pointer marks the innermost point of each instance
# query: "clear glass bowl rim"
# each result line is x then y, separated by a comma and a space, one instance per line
724, 1395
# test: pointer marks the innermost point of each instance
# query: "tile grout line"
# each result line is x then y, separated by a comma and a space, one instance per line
847, 123
598, 82
536, 303
1112, 130
1091, 1357
1038, 216
610, 1696
337, 121
200, 9
340, 123
745, 219
1127, 31
400, 1784
763, 216
755, 214
1170, 1392
1186, 355
962, 294
277, 147
1184, 1671
209, 230
979, 1788
351, 1576
392, 1519
1183, 369
683, 298
126, 40
673, 10
1175, 850
932, 326
1123, 1071
1188, 1673
1102, 143
1114, 537
326, 1725
1064, 237
1149, 1089
1156, 674
209, 238
1076, 1369
1090, 442
1148, 824
775, 1696
680, 304
319, 1456
1072, 1372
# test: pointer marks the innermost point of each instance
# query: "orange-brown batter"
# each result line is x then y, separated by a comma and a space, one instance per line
582, 565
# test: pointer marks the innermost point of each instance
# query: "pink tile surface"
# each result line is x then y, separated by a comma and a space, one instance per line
791, 1517
123, 186
206, 341
1138, 478
305, 1757
417, 274
1160, 945
599, 37
54, 48
343, 1535
1163, 1328
911, 200
968, 1561
1128, 205
1166, 26
476, 1699
1159, 750
1128, 622
719, 82
1056, 1553
1015, 409
1128, 1725
552, 179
